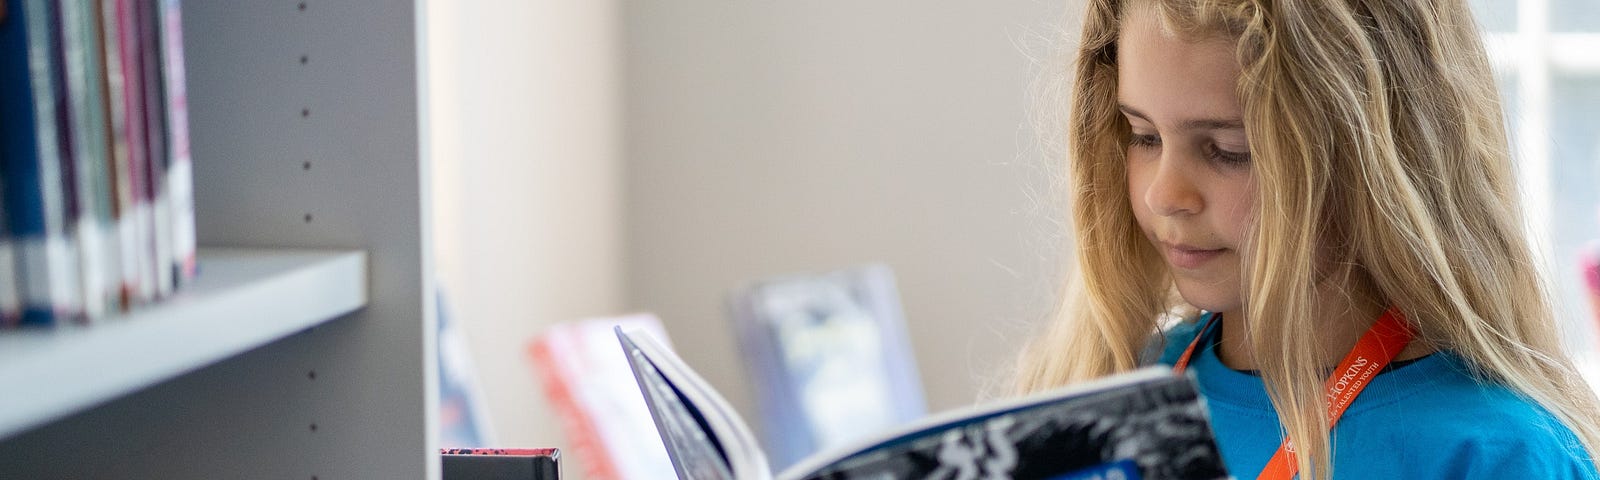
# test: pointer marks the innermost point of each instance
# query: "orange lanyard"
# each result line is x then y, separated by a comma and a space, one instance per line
1374, 351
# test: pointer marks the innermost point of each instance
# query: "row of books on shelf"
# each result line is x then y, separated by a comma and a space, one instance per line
96, 182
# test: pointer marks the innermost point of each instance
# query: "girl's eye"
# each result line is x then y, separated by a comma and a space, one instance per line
1226, 157
1144, 141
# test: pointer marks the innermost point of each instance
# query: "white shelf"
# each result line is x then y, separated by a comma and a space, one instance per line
244, 298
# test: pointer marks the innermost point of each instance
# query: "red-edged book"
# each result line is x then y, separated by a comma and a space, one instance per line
501, 463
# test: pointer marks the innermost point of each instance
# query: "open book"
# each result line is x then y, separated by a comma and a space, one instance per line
1148, 424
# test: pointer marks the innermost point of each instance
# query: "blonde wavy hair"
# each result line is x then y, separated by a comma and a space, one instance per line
1376, 134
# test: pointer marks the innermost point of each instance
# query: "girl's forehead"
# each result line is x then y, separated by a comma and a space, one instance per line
1170, 78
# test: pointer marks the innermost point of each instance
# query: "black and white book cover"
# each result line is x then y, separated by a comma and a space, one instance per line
1147, 424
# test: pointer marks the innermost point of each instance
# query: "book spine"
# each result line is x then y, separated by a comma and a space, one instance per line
178, 193
117, 150
148, 24
85, 70
30, 139
127, 107
10, 302
63, 252
122, 149
520, 452
501, 464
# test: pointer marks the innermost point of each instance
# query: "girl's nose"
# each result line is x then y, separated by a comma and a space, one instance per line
1171, 191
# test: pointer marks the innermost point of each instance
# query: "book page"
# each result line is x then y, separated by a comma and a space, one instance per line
696, 424
696, 455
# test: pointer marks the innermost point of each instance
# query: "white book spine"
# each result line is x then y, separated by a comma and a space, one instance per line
180, 185
144, 221
180, 176
50, 266
128, 235
165, 259
92, 277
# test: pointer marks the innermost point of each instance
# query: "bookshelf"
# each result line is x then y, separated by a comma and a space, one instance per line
68, 369
307, 349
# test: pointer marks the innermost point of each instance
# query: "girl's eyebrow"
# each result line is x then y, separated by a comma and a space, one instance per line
1190, 124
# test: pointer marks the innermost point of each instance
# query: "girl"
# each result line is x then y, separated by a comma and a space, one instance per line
1282, 174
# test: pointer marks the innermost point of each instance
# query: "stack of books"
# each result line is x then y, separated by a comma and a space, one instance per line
96, 188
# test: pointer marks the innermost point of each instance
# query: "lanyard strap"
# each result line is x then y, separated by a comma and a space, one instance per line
1371, 354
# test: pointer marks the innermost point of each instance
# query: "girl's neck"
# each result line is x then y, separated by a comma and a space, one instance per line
1341, 319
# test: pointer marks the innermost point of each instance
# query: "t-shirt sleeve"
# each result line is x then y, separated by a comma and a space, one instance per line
1531, 459
1536, 445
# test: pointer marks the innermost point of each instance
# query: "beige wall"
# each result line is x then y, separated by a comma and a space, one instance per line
526, 144
773, 137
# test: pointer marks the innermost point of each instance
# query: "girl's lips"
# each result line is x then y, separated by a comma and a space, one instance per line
1183, 256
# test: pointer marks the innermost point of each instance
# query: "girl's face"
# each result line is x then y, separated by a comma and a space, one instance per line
1189, 171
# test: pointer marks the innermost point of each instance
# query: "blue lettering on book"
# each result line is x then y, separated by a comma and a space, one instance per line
1118, 470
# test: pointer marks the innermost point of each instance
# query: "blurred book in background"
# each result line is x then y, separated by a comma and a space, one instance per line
587, 381
463, 416
1589, 268
829, 359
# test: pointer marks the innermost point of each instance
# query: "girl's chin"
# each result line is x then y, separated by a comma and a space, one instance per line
1209, 297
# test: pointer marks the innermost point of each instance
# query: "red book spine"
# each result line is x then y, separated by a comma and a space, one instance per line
129, 172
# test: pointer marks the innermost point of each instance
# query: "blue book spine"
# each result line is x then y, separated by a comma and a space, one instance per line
146, 180
31, 153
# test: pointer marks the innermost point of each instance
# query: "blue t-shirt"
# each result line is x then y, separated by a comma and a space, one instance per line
1427, 419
